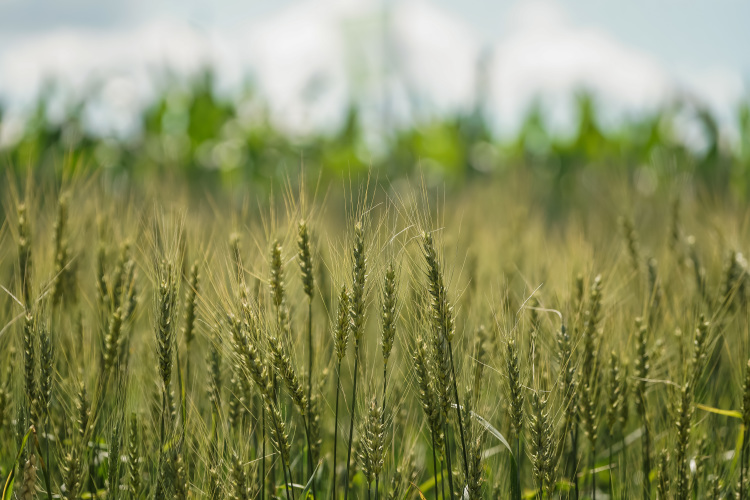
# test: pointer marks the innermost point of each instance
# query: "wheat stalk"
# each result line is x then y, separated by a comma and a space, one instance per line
357, 301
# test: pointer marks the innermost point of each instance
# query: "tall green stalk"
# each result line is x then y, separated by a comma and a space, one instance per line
444, 323
336, 429
308, 283
341, 338
357, 305
351, 420
434, 463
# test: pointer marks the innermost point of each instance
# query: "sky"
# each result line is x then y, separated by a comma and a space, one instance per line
405, 60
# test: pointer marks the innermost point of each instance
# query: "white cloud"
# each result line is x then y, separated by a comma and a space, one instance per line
310, 58
546, 56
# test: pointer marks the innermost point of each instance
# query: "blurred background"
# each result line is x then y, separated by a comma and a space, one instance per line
229, 93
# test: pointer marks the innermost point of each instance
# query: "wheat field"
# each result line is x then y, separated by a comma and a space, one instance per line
376, 340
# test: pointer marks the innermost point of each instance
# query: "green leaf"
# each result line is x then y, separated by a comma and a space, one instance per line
484, 423
308, 486
515, 490
183, 403
719, 411
8, 489
427, 485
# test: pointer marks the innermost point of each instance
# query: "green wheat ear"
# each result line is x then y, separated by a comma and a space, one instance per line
341, 332
285, 370
430, 403
238, 479
165, 315
357, 309
662, 478
359, 276
631, 239
276, 282
372, 443
61, 279
134, 457
541, 443
515, 388
305, 259
191, 303
29, 367
24, 253
28, 483
389, 313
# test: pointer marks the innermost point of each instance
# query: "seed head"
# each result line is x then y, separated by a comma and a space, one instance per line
515, 389
61, 280
29, 365
278, 431
28, 486
699, 349
359, 277
190, 305
427, 396
631, 238
442, 311
24, 253
616, 398
277, 275
372, 443
165, 313
285, 370
541, 441
341, 335
47, 370
305, 259
239, 481
389, 313
641, 365
134, 458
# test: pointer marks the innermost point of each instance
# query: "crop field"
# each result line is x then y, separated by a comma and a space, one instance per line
373, 339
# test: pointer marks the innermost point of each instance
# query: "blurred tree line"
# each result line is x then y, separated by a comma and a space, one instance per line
213, 142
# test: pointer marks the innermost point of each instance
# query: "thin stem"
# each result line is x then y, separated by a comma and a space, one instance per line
382, 419
575, 458
518, 464
289, 484
622, 457
593, 471
47, 481
263, 457
187, 366
385, 382
310, 349
285, 467
309, 456
646, 462
336, 428
351, 421
286, 482
309, 390
611, 483
442, 480
434, 463
448, 458
742, 465
458, 411
161, 440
